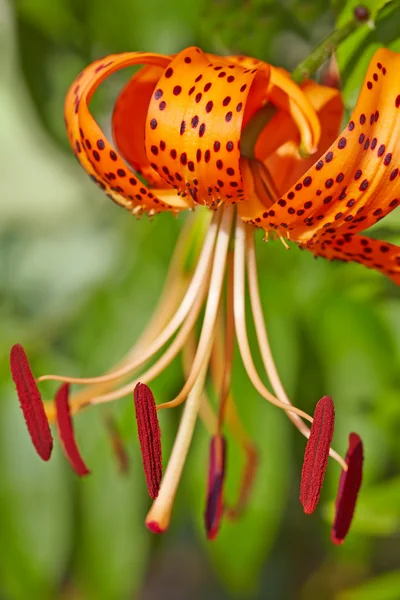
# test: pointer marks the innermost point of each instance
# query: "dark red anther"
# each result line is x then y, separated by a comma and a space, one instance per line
149, 437
66, 432
349, 486
31, 402
316, 454
216, 474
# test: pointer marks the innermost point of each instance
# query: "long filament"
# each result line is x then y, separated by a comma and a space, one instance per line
159, 515
165, 359
240, 323
214, 296
171, 327
265, 348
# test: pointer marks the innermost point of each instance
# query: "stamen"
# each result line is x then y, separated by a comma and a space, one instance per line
201, 271
216, 474
316, 454
164, 311
214, 295
349, 486
165, 359
206, 411
149, 437
171, 295
159, 515
264, 184
264, 345
66, 432
240, 323
229, 347
31, 402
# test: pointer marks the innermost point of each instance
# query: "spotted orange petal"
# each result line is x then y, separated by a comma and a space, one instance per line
194, 124
357, 181
285, 164
375, 254
278, 149
290, 99
97, 155
129, 119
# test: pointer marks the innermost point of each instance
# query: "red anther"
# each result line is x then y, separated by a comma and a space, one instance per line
31, 402
349, 486
216, 474
316, 454
149, 437
66, 432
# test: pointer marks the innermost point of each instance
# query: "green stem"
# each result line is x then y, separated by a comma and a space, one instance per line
323, 51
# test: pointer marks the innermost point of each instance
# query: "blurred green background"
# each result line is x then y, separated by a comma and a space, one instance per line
79, 277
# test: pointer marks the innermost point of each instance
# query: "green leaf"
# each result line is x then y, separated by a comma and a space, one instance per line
36, 509
112, 541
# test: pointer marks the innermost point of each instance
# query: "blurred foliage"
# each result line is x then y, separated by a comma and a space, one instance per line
78, 278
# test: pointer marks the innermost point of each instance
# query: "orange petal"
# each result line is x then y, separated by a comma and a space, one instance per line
286, 165
357, 181
195, 120
374, 254
294, 106
98, 157
129, 119
288, 96
281, 157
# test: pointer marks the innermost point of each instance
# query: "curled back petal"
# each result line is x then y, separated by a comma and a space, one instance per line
286, 163
287, 95
129, 120
195, 120
357, 180
372, 253
66, 432
96, 154
31, 402
277, 148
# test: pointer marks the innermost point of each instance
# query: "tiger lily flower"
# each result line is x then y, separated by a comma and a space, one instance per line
184, 124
